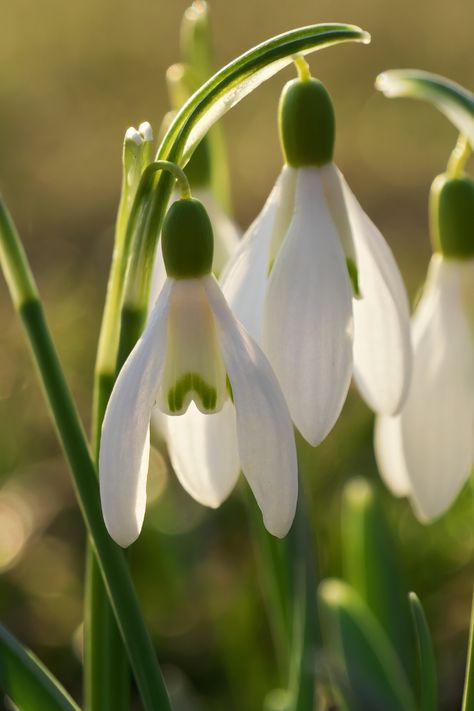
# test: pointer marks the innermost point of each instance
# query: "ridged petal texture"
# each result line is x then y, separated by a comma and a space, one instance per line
307, 325
382, 344
204, 453
244, 281
435, 431
125, 446
265, 434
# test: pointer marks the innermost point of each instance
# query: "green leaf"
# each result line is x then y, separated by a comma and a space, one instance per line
428, 694
26, 680
244, 74
370, 565
453, 100
364, 668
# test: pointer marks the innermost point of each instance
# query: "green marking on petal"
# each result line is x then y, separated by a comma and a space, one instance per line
353, 276
192, 383
229, 387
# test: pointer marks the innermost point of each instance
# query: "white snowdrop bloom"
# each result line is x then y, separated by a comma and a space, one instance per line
194, 356
291, 279
427, 451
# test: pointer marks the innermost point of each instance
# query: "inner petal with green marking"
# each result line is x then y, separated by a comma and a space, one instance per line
193, 368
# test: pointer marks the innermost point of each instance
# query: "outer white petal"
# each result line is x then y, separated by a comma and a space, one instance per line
264, 430
203, 452
389, 454
438, 417
333, 184
244, 280
307, 330
158, 277
382, 344
124, 446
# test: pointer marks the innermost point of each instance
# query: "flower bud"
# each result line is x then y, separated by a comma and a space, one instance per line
307, 123
187, 240
452, 216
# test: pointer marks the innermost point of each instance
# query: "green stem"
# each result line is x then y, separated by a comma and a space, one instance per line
305, 637
290, 582
459, 157
468, 696
71, 435
106, 669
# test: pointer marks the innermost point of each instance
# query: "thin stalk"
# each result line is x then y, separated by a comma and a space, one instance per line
106, 671
288, 568
459, 157
305, 637
468, 696
106, 668
71, 435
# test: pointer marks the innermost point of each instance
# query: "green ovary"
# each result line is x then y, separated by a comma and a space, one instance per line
191, 383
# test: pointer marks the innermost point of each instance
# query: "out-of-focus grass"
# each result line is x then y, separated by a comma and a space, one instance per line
73, 77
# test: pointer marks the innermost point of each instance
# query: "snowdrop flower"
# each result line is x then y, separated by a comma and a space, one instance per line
292, 279
194, 351
226, 233
427, 451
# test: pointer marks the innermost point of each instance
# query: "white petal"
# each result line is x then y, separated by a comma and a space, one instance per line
226, 233
244, 280
438, 417
193, 368
124, 446
389, 454
307, 330
203, 452
333, 184
264, 430
158, 277
382, 345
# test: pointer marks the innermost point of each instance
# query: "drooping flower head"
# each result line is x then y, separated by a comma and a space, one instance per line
427, 451
193, 353
314, 281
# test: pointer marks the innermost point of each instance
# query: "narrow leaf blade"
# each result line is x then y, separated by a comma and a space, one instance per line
427, 663
370, 565
364, 667
241, 76
453, 100
28, 683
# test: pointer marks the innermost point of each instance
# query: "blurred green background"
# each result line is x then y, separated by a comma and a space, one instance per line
73, 77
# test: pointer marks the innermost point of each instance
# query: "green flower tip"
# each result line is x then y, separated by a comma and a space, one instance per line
306, 123
452, 216
187, 240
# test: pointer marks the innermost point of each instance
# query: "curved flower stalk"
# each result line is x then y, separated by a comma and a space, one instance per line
193, 350
290, 280
427, 452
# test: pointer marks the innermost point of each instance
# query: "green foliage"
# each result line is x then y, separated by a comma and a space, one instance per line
365, 669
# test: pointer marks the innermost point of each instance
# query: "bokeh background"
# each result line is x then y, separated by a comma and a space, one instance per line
73, 77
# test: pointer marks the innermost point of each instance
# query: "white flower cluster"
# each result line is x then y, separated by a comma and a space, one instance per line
310, 296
